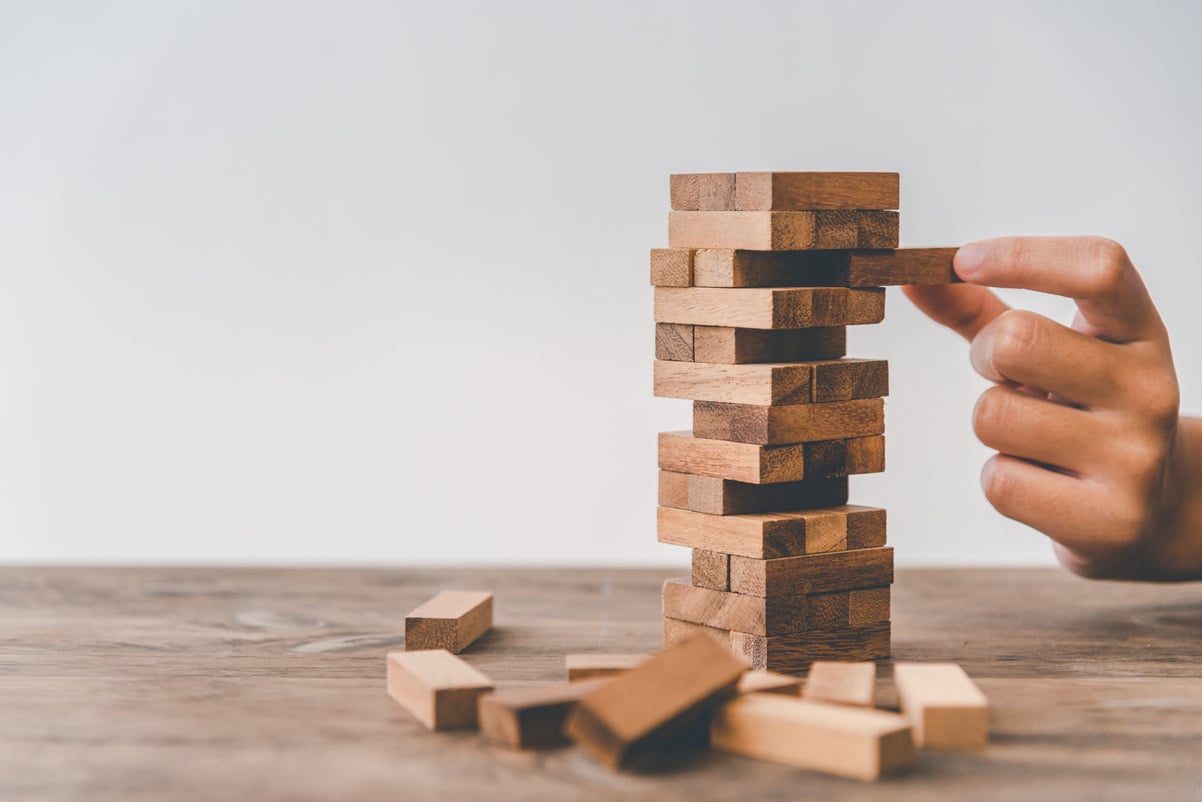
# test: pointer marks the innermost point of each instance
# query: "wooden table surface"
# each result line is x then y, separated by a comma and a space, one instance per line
263, 684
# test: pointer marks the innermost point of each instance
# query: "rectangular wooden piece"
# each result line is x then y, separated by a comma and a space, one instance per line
773, 384
711, 569
841, 683
768, 535
439, 689
730, 345
783, 230
812, 573
451, 620
531, 717
795, 653
944, 705
794, 423
769, 307
681, 452
593, 666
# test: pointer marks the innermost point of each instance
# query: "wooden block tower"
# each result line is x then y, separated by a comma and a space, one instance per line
763, 274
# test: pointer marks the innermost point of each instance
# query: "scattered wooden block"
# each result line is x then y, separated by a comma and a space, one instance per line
764, 681
532, 717
769, 308
774, 615
438, 688
860, 744
812, 573
729, 345
795, 423
800, 191
674, 341
766, 535
724, 459
452, 620
728, 497
711, 569
677, 631
672, 267
782, 230
648, 705
945, 707
774, 384
797, 652
595, 666
841, 683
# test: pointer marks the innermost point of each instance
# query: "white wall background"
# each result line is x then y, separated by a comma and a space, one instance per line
366, 282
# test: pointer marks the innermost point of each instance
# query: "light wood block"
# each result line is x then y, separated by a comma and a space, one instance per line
727, 497
782, 230
730, 345
860, 744
841, 683
776, 615
438, 688
945, 707
711, 191
656, 701
769, 308
800, 191
531, 717
755, 464
674, 341
595, 666
812, 573
795, 653
677, 631
766, 535
452, 620
773, 384
764, 681
795, 423
685, 191
671, 267
711, 569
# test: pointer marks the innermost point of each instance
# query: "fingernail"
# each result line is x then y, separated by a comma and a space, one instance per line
968, 259
987, 472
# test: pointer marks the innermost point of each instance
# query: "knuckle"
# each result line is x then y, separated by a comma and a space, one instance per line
1160, 399
1124, 521
1108, 262
1000, 487
1016, 334
991, 414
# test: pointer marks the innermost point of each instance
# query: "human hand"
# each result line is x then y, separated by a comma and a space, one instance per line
1091, 450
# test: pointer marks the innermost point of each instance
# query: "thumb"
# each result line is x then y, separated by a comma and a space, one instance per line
963, 308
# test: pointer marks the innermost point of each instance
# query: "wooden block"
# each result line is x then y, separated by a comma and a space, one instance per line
901, 266
672, 267
782, 231
801, 191
812, 573
716, 192
866, 530
531, 717
727, 497
729, 345
438, 688
844, 380
674, 341
794, 423
775, 615
711, 569
945, 707
769, 308
452, 620
868, 606
677, 631
797, 652
743, 462
865, 455
725, 267
848, 742
764, 681
841, 683
649, 705
594, 666
739, 384
673, 489
765, 535
685, 191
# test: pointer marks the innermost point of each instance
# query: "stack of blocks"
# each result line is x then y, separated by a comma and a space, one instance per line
763, 274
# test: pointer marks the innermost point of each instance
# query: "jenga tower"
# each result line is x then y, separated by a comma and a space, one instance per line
753, 297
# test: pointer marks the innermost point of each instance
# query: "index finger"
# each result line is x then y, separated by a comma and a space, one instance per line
1093, 271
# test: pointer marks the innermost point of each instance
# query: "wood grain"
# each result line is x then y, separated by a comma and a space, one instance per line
711, 569
794, 423
769, 308
772, 384
439, 689
674, 341
901, 266
725, 267
676, 631
809, 190
860, 744
782, 231
812, 573
766, 535
531, 717
731, 345
945, 707
671, 267
452, 620
793, 654
716, 192
674, 489
755, 464
650, 705
732, 611
841, 683
684, 191
727, 497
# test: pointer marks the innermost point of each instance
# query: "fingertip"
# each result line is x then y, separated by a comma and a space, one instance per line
968, 260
